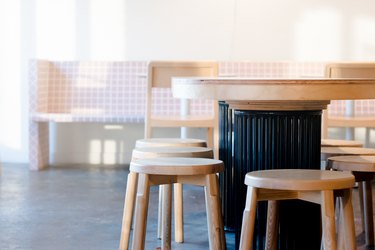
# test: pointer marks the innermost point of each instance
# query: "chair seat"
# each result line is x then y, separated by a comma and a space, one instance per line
153, 152
170, 142
299, 179
363, 163
327, 152
340, 143
177, 166
187, 121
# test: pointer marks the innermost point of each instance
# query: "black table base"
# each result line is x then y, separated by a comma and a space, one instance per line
270, 140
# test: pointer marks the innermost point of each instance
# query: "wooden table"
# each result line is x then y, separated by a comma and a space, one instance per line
276, 123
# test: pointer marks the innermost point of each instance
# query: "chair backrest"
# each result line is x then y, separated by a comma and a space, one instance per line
350, 70
346, 70
160, 74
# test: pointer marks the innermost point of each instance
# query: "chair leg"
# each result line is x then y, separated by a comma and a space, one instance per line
178, 212
143, 194
328, 220
128, 210
348, 220
248, 219
272, 224
368, 213
214, 215
167, 217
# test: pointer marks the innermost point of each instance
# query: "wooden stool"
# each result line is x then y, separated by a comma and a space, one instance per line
159, 171
340, 143
318, 186
178, 193
363, 169
152, 152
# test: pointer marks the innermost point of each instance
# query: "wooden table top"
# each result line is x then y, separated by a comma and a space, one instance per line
266, 89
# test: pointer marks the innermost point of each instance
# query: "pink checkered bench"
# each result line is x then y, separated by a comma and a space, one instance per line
92, 92
114, 93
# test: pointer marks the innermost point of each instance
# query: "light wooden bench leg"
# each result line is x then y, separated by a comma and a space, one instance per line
167, 217
272, 224
348, 220
214, 215
248, 219
38, 145
368, 213
178, 212
328, 220
128, 210
143, 193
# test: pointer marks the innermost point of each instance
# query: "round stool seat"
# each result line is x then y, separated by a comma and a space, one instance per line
363, 163
177, 166
340, 143
170, 142
299, 179
153, 152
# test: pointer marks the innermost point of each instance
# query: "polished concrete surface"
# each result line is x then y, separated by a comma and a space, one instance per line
80, 207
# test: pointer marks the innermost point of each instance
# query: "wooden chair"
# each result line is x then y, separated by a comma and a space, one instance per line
363, 168
318, 186
166, 171
154, 152
159, 76
350, 120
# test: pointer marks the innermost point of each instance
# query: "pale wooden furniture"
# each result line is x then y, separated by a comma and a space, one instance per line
276, 107
154, 152
363, 168
317, 186
160, 74
350, 120
327, 152
170, 142
161, 171
178, 194
340, 143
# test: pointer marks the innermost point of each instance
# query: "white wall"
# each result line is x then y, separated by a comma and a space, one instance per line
260, 30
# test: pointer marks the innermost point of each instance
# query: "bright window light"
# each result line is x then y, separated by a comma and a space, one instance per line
10, 80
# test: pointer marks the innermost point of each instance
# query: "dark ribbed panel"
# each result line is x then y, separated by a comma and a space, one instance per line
277, 140
225, 154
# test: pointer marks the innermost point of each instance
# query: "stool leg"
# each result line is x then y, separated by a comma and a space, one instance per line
143, 194
167, 217
160, 212
368, 213
128, 210
328, 220
214, 215
348, 220
248, 219
272, 225
178, 212
361, 202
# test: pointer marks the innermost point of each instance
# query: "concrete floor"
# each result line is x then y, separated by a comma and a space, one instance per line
80, 207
